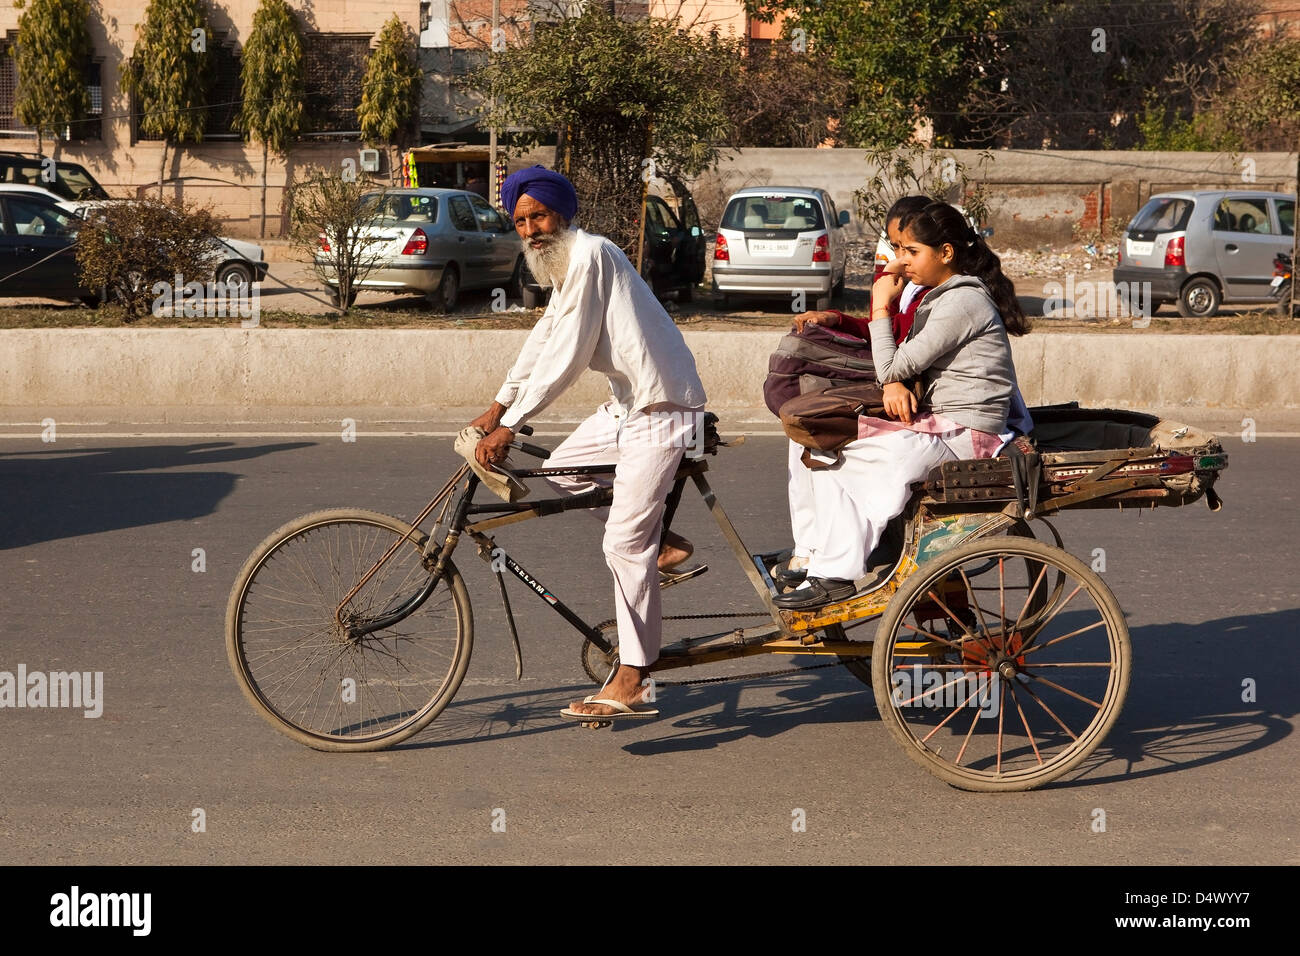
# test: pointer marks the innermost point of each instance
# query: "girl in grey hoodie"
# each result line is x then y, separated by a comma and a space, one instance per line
959, 350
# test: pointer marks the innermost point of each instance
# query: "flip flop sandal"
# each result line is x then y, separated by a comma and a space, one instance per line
668, 578
604, 720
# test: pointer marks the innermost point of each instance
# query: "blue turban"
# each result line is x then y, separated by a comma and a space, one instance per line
546, 186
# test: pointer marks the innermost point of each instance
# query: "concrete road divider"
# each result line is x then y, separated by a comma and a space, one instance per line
284, 375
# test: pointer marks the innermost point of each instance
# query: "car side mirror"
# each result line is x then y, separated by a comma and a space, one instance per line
844, 217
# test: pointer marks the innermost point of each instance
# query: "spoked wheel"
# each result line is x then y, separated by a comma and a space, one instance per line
326, 684
997, 690
860, 667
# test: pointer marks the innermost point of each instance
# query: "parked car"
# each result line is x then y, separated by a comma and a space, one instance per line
233, 260
70, 180
37, 256
672, 262
775, 240
1206, 247
436, 242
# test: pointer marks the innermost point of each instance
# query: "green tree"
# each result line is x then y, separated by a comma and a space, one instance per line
1083, 74
911, 63
53, 51
390, 91
170, 73
272, 79
1264, 101
629, 99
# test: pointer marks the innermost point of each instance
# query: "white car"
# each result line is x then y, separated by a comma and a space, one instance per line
779, 242
234, 259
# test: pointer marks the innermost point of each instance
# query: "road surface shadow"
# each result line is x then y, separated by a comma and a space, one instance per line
1199, 694
54, 493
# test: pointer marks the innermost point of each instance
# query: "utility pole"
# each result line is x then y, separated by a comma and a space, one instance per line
493, 194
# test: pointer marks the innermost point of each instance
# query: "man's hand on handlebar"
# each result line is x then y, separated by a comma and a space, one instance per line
493, 449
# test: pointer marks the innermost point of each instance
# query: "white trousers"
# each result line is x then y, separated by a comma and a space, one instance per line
645, 447
844, 509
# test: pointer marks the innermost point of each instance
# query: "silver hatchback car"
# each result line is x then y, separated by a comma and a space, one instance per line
436, 242
1205, 247
779, 241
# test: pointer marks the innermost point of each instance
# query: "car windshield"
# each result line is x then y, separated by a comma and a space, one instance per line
773, 212
69, 180
32, 218
404, 208
1167, 214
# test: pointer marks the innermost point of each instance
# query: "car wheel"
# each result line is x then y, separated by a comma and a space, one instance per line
237, 272
722, 301
837, 290
448, 292
533, 298
515, 288
1199, 299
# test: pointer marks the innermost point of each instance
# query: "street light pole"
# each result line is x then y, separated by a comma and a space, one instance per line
495, 197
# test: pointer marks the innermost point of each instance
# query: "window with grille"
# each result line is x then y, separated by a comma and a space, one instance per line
8, 83
334, 65
223, 99
90, 127
225, 93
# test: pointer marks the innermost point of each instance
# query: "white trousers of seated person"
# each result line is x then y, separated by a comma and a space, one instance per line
645, 447
803, 512
854, 500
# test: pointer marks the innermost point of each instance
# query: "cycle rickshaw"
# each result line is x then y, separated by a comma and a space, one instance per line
999, 660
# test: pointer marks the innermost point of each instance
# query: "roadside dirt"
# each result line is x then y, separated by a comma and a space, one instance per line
291, 298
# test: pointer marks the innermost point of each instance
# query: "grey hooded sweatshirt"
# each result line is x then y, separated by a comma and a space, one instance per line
959, 347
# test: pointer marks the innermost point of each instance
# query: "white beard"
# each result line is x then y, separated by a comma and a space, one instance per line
550, 263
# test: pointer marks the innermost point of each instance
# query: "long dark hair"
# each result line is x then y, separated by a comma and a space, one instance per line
906, 206
939, 223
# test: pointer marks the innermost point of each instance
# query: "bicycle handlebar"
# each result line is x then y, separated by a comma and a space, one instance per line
535, 450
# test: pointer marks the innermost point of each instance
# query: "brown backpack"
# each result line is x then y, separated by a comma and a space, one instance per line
826, 420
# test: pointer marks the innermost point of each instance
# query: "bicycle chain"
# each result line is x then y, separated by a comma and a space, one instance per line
720, 680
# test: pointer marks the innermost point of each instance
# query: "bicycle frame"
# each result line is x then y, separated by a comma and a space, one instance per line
501, 514
788, 632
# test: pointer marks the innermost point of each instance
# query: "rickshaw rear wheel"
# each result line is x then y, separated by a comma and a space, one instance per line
860, 667
991, 690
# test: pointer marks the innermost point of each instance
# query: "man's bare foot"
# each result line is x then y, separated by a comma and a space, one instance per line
673, 550
625, 687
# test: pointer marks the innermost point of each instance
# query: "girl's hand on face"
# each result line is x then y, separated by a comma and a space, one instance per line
886, 290
899, 402
828, 319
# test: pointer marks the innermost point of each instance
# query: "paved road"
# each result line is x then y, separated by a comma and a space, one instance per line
97, 543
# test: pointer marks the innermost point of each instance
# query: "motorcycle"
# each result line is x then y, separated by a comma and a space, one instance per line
1282, 288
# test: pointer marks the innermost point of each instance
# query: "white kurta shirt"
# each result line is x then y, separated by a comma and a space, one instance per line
603, 316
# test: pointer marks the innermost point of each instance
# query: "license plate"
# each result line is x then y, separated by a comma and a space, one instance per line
1140, 248
1277, 281
760, 247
